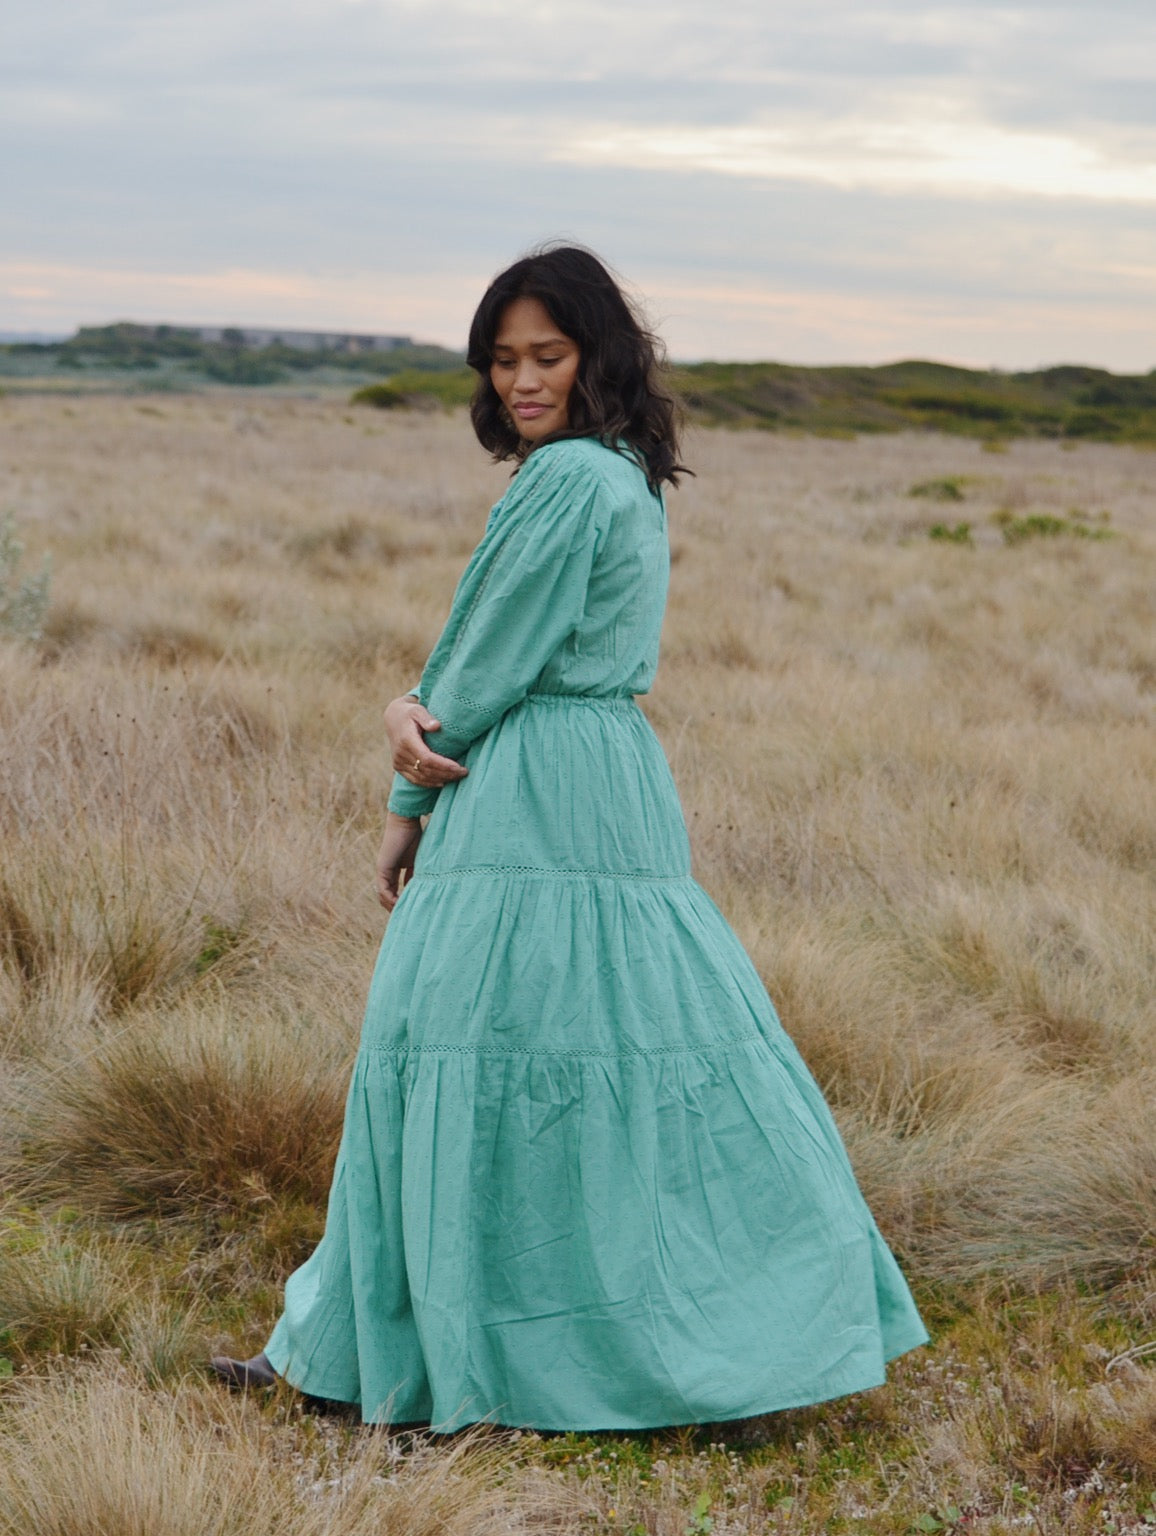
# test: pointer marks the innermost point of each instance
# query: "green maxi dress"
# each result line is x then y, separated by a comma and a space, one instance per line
585, 1180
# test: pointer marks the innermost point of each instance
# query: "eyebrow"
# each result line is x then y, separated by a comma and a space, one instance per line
554, 341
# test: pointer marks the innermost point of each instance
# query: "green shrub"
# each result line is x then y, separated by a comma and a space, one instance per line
1044, 525
419, 387
970, 406
1101, 425
229, 365
386, 397
949, 488
23, 604
960, 534
1037, 525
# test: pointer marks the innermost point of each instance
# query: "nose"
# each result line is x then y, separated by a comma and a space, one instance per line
527, 379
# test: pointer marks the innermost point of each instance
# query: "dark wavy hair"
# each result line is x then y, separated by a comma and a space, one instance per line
619, 393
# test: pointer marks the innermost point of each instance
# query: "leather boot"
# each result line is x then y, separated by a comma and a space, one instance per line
245, 1375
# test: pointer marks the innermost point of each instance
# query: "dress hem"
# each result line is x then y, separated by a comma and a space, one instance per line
453, 1426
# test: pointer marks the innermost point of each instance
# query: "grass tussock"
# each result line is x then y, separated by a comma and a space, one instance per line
187, 1111
68, 1291
919, 779
57, 1294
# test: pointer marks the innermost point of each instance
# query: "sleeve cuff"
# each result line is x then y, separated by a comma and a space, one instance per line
406, 799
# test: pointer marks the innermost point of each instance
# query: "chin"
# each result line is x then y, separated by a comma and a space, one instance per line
546, 426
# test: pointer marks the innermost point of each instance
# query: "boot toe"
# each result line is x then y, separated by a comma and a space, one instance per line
244, 1375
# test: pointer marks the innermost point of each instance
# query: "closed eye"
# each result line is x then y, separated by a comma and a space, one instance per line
510, 362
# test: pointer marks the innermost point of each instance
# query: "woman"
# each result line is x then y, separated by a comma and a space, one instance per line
585, 1181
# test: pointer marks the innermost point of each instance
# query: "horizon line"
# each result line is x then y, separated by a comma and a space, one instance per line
55, 338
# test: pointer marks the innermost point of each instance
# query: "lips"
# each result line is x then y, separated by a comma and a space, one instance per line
528, 412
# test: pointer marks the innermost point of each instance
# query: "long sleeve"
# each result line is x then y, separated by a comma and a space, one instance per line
522, 594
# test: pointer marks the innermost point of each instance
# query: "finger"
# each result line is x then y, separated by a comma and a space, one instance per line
410, 746
425, 768
422, 718
436, 778
399, 878
434, 762
435, 768
425, 776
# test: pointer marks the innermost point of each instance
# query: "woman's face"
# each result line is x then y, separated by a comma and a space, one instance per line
533, 369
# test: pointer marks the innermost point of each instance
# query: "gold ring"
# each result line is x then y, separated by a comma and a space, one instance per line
416, 764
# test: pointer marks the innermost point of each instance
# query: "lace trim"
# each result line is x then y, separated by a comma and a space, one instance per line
536, 871
464, 699
715, 1048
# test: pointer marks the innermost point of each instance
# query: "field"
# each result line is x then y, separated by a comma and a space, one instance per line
908, 693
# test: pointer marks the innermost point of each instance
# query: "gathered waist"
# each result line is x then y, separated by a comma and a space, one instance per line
599, 701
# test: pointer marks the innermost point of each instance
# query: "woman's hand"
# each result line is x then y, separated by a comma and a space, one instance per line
405, 721
395, 857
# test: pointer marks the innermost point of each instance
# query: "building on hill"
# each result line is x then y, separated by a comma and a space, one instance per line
300, 341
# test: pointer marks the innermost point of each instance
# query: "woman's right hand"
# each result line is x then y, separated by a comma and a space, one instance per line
405, 722
395, 857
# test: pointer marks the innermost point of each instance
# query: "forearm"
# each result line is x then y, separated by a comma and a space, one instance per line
406, 799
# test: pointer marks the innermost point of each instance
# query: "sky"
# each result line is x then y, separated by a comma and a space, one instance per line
834, 181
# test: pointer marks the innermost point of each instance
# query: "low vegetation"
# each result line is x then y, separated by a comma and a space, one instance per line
918, 765
168, 358
1067, 403
1071, 403
23, 599
414, 388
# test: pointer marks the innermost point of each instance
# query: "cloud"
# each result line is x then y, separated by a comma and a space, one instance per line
879, 168
234, 295
907, 154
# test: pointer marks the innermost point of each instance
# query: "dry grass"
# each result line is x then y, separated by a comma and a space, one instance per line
921, 780
184, 1463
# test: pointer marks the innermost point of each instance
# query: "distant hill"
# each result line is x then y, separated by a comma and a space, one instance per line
1070, 402
175, 356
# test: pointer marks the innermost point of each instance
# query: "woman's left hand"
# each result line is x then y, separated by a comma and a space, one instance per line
395, 857
406, 723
